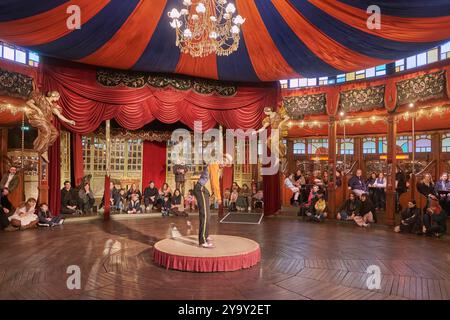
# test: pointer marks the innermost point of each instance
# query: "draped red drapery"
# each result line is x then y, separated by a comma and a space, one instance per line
89, 103
77, 158
154, 163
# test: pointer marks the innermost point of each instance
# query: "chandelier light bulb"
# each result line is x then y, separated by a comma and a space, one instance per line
238, 20
235, 29
230, 8
176, 23
174, 14
213, 35
184, 12
226, 16
194, 17
213, 18
187, 33
200, 8
222, 2
187, 2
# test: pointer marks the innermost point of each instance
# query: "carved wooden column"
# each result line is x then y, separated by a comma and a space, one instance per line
43, 182
332, 166
290, 156
436, 153
359, 155
392, 165
3, 149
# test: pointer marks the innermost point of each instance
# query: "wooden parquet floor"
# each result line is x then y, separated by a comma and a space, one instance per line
300, 261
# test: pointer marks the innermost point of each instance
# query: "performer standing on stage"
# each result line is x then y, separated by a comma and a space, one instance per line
211, 173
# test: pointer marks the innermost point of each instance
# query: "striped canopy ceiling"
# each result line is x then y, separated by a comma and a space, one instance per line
281, 38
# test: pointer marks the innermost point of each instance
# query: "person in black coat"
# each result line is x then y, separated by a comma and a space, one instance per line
69, 199
150, 195
411, 219
349, 209
134, 205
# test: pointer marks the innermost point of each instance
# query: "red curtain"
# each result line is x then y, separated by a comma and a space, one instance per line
154, 163
54, 174
89, 103
77, 158
272, 194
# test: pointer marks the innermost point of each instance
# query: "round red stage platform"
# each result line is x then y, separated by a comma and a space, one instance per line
229, 254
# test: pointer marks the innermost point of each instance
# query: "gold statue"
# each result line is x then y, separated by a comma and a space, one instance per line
40, 113
277, 120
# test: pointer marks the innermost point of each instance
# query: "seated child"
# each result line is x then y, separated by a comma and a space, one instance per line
318, 209
233, 198
134, 206
165, 205
190, 201
258, 200
226, 198
46, 219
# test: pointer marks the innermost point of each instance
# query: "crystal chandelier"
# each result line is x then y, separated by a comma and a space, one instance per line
204, 27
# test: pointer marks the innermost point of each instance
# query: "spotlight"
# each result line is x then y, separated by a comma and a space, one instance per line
341, 113
411, 105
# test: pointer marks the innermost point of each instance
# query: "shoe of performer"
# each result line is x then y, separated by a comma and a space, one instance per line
209, 239
207, 245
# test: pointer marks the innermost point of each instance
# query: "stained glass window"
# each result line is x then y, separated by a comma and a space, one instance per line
423, 143
382, 145
405, 143
299, 146
315, 144
446, 142
369, 145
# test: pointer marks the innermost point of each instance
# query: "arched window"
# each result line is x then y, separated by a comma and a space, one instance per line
314, 144
423, 143
405, 142
369, 145
299, 147
446, 142
346, 146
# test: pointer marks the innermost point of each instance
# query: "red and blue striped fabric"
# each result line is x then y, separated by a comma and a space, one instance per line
281, 39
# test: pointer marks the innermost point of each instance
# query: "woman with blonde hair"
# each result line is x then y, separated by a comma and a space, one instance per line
24, 216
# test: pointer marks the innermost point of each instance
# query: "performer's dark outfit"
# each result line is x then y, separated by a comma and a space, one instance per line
211, 172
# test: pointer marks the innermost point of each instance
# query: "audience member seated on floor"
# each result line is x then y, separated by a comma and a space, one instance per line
357, 184
150, 196
86, 198
5, 203
290, 184
434, 220
258, 200
134, 190
24, 217
366, 213
234, 196
410, 222
69, 200
349, 209
306, 205
4, 221
318, 209
380, 191
123, 200
226, 197
46, 219
190, 202
177, 204
114, 198
134, 205
166, 205
213, 203
242, 202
